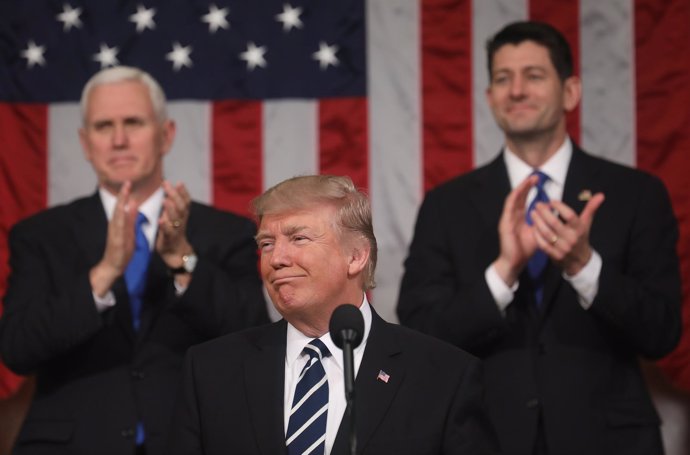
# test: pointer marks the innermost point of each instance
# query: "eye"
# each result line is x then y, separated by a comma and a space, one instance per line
265, 245
300, 239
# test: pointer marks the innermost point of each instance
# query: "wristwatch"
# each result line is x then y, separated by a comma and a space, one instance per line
188, 264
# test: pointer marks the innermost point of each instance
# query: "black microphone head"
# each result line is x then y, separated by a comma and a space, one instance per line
347, 324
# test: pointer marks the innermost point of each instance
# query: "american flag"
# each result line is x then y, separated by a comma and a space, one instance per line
383, 376
390, 92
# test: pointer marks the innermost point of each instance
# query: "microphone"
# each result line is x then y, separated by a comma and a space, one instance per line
347, 330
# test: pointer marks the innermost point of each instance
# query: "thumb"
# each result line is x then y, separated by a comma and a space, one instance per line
591, 208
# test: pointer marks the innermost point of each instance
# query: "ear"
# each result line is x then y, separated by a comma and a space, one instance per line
359, 257
169, 128
572, 92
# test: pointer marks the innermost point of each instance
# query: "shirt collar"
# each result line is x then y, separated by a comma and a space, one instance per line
555, 167
151, 207
296, 340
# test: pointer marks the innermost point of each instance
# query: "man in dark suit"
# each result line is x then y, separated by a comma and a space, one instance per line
558, 296
107, 354
241, 393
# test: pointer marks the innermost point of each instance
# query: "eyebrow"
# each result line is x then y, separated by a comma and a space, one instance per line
287, 231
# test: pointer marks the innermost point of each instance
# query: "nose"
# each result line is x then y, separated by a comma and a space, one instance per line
517, 87
280, 255
119, 137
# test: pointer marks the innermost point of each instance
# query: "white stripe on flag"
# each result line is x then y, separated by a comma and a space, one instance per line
290, 140
189, 160
487, 18
69, 173
395, 164
608, 82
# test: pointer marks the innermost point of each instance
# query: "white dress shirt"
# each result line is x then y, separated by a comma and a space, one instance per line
586, 281
333, 365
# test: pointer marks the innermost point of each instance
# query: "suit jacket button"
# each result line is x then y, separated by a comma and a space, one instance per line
137, 374
127, 433
533, 404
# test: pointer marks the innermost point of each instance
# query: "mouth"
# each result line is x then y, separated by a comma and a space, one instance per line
121, 161
277, 281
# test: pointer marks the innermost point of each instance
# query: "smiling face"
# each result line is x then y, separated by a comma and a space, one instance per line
526, 95
307, 268
123, 139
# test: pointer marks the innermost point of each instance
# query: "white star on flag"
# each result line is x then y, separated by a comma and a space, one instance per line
179, 56
34, 54
216, 18
69, 17
107, 56
143, 18
290, 17
254, 56
326, 55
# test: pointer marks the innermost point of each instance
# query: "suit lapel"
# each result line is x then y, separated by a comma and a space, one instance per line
381, 355
263, 371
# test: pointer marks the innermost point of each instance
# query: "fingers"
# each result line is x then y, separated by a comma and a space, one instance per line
175, 207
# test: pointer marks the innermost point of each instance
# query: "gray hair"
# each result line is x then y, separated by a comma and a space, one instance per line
353, 209
122, 74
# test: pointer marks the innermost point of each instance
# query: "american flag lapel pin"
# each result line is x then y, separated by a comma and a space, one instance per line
585, 195
383, 376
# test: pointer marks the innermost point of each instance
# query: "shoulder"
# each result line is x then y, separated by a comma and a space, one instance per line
428, 349
622, 177
202, 213
238, 345
58, 217
469, 182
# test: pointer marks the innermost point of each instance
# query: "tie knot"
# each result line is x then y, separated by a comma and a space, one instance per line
542, 178
141, 220
316, 349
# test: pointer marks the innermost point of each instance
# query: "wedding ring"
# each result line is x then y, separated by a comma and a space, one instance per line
554, 239
176, 224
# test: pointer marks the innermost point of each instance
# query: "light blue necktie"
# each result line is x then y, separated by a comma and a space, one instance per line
537, 263
135, 274
306, 431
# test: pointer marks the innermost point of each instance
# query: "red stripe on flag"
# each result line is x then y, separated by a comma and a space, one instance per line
23, 185
446, 48
343, 139
237, 154
565, 16
662, 38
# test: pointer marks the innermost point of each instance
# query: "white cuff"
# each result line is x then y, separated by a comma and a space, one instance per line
502, 293
586, 281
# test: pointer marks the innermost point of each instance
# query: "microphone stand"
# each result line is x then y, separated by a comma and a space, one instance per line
348, 362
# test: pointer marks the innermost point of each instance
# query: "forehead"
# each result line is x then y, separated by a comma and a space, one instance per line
315, 217
515, 57
125, 98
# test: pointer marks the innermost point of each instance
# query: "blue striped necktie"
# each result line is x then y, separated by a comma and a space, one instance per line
306, 433
135, 274
537, 263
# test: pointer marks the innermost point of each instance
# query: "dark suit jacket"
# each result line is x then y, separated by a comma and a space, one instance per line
578, 369
232, 400
95, 376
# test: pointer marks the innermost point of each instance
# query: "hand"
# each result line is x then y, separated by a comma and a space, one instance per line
517, 241
171, 242
563, 235
119, 245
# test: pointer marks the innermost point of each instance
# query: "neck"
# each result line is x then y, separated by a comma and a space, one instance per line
536, 150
